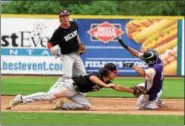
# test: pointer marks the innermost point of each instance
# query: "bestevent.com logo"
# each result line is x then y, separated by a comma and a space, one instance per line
42, 66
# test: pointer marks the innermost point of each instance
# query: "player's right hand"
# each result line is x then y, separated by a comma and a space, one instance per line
110, 86
53, 51
59, 56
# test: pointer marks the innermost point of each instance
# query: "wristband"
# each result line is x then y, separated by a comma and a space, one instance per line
49, 45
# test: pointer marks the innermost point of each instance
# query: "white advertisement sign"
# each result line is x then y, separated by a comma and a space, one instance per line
24, 46
26, 32
30, 65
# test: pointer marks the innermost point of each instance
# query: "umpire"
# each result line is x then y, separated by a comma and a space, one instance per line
66, 36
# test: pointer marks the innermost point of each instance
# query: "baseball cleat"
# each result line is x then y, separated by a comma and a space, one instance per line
58, 105
161, 104
17, 100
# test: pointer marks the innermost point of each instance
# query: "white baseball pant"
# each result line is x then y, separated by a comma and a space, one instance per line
143, 101
64, 89
72, 65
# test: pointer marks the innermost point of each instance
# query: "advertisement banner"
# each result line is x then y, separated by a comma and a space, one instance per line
100, 37
30, 65
24, 44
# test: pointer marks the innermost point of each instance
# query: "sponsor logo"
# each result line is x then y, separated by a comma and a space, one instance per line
105, 32
31, 38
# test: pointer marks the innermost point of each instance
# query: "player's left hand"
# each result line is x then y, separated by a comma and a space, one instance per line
82, 49
128, 65
138, 90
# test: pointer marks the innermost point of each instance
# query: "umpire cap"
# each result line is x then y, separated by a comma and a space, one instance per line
110, 66
64, 12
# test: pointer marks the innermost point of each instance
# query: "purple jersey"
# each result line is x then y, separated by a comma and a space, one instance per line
158, 78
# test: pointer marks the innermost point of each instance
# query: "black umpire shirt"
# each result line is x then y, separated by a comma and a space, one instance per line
84, 84
66, 38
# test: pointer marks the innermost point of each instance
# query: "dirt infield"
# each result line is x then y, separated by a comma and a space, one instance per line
102, 106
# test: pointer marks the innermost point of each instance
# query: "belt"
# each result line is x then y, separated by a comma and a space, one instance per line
76, 87
74, 84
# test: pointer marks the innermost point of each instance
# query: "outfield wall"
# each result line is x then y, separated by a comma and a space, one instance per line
24, 39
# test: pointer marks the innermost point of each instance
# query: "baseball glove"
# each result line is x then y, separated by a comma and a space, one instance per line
82, 49
138, 90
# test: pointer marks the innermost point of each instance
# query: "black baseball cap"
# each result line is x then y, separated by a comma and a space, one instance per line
64, 12
110, 66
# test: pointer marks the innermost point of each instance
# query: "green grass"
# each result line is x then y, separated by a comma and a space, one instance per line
173, 87
25, 85
77, 119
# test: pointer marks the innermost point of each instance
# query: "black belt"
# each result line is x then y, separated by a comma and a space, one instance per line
74, 84
76, 87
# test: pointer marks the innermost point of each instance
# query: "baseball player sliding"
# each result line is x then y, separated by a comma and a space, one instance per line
72, 88
153, 77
